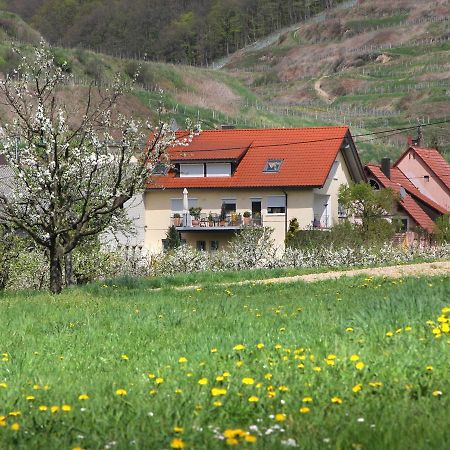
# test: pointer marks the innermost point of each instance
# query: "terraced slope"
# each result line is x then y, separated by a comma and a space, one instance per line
376, 65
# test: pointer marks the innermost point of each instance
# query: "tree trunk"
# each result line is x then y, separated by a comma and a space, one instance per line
68, 269
56, 278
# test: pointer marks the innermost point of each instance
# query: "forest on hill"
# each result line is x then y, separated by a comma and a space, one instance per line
180, 31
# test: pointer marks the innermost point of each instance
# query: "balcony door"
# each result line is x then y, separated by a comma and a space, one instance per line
256, 211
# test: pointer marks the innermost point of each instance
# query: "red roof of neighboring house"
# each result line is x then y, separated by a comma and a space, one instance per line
408, 203
307, 153
434, 160
399, 177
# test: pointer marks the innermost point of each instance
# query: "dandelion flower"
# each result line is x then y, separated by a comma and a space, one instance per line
15, 426
216, 391
83, 397
336, 400
232, 441
354, 358
43, 408
250, 438
217, 403
182, 360
260, 345
304, 410
360, 365
125, 357
159, 380
177, 443
253, 399
214, 350
248, 381
349, 329
203, 381
280, 417
307, 399
357, 387
54, 409
3, 385
268, 376
389, 334
437, 393
66, 408
178, 429
121, 392
239, 347
30, 397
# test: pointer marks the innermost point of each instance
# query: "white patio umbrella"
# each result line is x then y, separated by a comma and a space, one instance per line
185, 207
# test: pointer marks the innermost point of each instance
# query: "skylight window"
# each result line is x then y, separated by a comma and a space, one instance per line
273, 165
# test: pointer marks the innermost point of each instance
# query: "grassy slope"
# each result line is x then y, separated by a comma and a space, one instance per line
411, 82
74, 345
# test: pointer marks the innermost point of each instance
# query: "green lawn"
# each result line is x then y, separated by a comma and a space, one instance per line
273, 361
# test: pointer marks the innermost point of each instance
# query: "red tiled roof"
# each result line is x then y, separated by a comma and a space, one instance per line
434, 160
307, 154
408, 203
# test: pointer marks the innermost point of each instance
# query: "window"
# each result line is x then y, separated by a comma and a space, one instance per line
160, 169
426, 178
229, 205
177, 204
201, 246
276, 204
374, 185
214, 246
273, 165
218, 169
192, 170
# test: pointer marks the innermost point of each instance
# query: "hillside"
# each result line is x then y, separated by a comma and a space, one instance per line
188, 31
374, 66
340, 67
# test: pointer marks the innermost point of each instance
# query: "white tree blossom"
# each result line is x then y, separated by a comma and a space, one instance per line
72, 172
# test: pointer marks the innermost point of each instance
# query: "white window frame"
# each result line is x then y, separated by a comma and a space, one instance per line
199, 171
272, 203
222, 169
192, 202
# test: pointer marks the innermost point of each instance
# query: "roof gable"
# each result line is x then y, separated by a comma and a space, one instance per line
433, 160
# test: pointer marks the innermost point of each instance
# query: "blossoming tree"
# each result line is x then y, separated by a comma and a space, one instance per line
72, 177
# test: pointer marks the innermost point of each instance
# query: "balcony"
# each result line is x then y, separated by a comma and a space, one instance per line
212, 222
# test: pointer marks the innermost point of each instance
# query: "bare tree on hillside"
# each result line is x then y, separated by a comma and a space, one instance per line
71, 177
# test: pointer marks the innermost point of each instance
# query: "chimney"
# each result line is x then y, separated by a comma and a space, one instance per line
386, 167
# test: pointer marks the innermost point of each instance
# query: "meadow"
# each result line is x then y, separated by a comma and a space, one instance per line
357, 363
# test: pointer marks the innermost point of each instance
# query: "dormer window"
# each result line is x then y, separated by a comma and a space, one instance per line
273, 165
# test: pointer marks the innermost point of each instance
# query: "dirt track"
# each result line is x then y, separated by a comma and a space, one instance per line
411, 270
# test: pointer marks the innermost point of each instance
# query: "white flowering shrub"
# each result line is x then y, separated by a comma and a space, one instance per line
255, 249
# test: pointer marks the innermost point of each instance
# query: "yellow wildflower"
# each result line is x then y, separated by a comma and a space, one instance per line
357, 387
260, 345
354, 358
182, 360
177, 443
159, 380
307, 399
304, 410
203, 381
216, 391
54, 409
280, 417
336, 400
125, 357
66, 408
15, 426
437, 393
250, 438
360, 365
121, 392
83, 397
217, 403
178, 429
253, 399
239, 347
43, 408
248, 380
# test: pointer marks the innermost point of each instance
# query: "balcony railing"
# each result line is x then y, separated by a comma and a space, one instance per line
231, 221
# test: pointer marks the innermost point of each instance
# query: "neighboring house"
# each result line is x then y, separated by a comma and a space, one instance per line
428, 171
273, 175
414, 209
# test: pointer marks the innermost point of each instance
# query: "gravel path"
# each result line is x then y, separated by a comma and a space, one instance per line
410, 270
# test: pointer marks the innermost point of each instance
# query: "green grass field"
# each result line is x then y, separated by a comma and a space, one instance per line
343, 364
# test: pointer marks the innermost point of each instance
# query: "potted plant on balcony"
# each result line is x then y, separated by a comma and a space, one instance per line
177, 219
247, 218
223, 215
195, 211
210, 219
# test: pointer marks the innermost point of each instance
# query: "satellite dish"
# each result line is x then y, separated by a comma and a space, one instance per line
402, 193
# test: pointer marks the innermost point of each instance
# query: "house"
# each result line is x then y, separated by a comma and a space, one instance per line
428, 171
414, 209
271, 175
